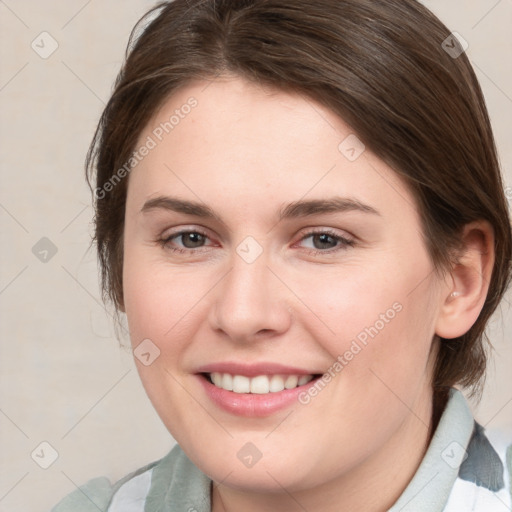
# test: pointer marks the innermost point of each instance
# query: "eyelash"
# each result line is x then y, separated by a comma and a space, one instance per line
345, 242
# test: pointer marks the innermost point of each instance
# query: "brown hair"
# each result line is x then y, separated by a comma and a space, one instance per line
381, 66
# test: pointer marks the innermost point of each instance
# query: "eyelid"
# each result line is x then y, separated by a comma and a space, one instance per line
193, 228
164, 239
344, 241
329, 231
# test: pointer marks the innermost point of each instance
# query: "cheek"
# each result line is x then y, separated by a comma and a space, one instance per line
349, 303
157, 296
372, 330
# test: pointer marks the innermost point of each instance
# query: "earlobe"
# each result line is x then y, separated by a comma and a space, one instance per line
470, 276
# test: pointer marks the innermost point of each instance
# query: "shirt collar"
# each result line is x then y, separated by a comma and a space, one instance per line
178, 485
430, 487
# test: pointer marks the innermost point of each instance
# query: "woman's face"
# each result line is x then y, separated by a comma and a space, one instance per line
302, 255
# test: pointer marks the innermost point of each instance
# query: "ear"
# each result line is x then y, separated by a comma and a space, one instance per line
471, 276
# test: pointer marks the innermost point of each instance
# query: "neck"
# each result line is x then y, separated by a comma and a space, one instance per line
373, 486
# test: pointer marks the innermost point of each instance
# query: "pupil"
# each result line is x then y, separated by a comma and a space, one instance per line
323, 239
191, 236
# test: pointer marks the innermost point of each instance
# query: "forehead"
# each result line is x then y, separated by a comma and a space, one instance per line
230, 139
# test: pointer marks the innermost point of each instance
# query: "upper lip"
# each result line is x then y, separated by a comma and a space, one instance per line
253, 370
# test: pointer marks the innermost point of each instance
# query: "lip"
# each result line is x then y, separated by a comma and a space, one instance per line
252, 405
255, 369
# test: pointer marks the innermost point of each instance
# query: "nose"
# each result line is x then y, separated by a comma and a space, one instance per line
250, 302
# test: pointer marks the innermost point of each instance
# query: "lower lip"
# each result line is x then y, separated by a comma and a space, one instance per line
252, 404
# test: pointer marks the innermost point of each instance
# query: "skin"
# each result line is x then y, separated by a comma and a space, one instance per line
246, 152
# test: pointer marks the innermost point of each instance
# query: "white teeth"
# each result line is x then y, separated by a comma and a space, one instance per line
261, 385
241, 384
304, 379
276, 384
291, 381
217, 379
226, 382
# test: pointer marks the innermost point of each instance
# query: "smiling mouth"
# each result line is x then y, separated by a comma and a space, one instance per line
261, 384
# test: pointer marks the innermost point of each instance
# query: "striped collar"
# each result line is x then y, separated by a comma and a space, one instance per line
175, 484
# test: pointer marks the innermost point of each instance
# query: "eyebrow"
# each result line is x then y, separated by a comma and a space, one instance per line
296, 209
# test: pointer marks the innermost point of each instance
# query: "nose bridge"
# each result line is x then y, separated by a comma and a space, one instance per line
250, 298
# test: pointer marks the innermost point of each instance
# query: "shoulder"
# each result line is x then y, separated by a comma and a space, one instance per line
172, 482
464, 468
97, 494
484, 478
93, 496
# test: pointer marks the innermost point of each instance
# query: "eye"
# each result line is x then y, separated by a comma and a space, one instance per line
191, 240
326, 241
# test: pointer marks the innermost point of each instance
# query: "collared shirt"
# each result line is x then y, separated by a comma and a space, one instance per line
464, 469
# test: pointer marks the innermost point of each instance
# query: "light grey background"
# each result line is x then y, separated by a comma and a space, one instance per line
64, 378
